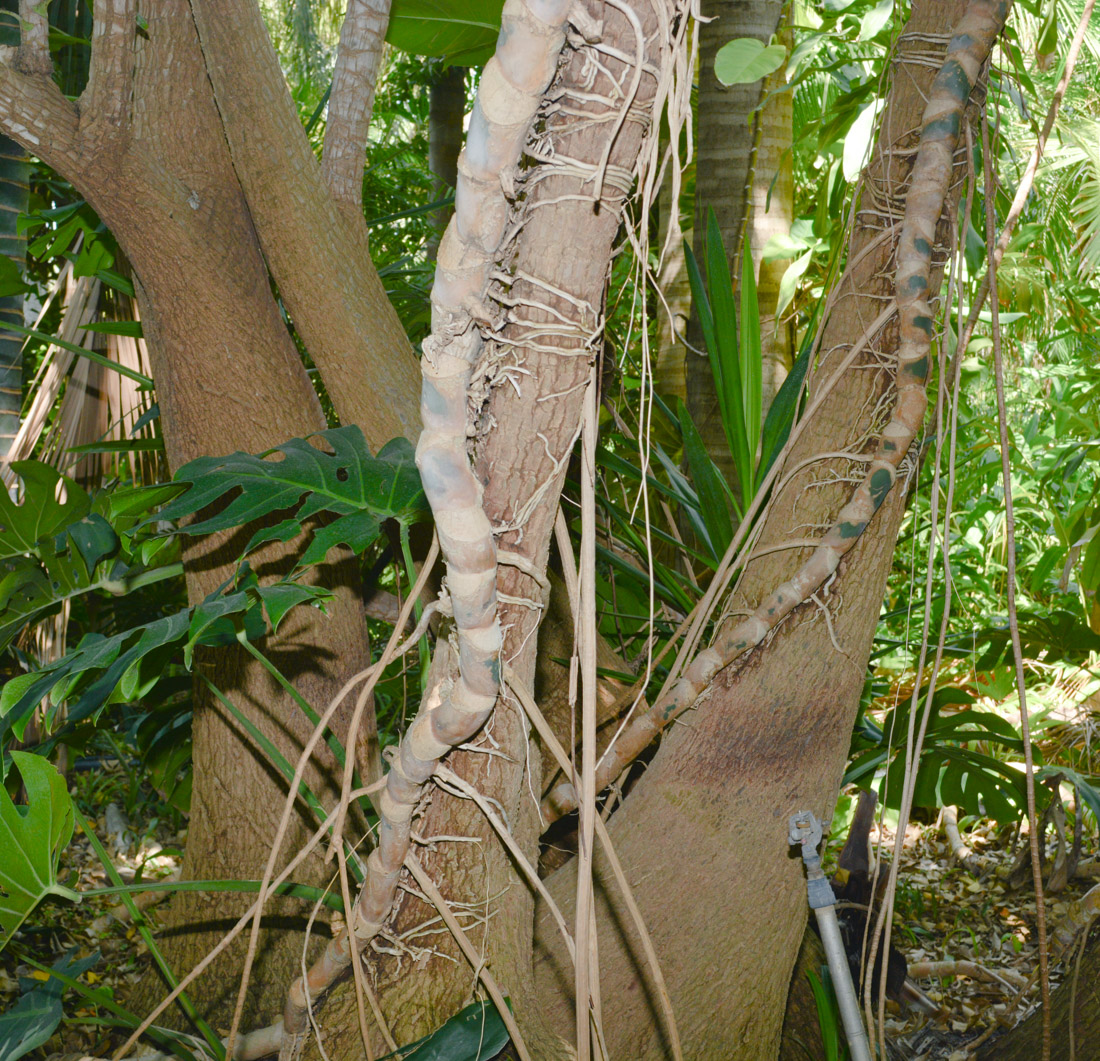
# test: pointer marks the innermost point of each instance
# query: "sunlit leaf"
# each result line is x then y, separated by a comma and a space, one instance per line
31, 841
463, 31
745, 60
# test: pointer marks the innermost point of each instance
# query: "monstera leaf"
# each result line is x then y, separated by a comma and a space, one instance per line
361, 490
462, 31
51, 502
101, 670
31, 841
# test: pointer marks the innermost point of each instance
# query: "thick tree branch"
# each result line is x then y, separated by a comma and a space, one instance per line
34, 113
362, 42
34, 51
352, 332
105, 103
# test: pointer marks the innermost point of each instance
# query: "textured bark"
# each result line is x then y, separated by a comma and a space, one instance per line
724, 135
1024, 1042
13, 201
772, 738
566, 244
671, 364
362, 44
317, 252
228, 377
446, 108
772, 211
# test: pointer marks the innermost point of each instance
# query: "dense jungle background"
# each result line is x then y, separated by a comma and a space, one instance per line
239, 674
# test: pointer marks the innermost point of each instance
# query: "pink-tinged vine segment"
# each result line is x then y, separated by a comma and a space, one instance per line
941, 123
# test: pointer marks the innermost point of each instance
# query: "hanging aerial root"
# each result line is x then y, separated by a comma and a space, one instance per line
510, 92
931, 176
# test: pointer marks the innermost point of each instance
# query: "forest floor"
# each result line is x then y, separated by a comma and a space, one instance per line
943, 912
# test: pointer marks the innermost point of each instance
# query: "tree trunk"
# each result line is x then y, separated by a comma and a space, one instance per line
672, 322
772, 192
1024, 1041
14, 193
722, 898
228, 376
446, 109
724, 138
525, 438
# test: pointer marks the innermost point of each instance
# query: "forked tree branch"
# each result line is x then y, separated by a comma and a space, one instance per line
351, 330
34, 113
362, 42
34, 51
105, 103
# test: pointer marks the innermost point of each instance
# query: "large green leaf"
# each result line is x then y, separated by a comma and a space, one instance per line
51, 502
463, 31
746, 60
127, 666
361, 489
31, 841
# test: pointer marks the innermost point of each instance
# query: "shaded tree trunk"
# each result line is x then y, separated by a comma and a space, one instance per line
446, 109
1082, 989
724, 138
14, 193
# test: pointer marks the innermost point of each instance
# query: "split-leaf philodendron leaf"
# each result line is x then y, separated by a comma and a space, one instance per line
31, 841
361, 490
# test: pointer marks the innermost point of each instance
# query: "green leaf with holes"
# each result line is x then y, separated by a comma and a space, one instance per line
50, 503
31, 841
342, 479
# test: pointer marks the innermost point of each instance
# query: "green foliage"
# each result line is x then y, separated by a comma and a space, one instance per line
360, 490
475, 1033
828, 1015
957, 764
35, 1017
464, 32
746, 60
31, 841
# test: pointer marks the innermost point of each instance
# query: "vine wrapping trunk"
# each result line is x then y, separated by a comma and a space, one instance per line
967, 51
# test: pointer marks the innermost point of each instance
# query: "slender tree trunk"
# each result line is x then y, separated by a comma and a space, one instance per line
772, 212
669, 371
446, 109
14, 193
724, 138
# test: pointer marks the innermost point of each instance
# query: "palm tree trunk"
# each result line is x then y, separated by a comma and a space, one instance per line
446, 108
724, 135
14, 192
772, 210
